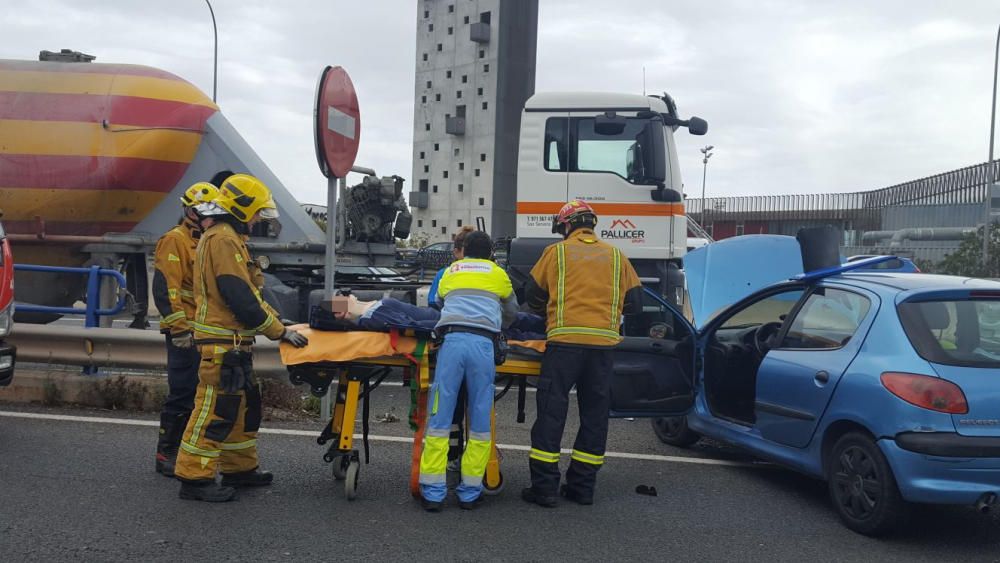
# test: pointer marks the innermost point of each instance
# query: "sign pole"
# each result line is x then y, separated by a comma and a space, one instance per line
331, 239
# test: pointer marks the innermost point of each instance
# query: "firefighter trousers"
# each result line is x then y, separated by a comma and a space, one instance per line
222, 431
590, 369
182, 384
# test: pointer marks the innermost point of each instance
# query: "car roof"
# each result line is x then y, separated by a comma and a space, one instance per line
915, 282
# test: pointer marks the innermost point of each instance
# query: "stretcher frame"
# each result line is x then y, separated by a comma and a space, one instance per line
357, 378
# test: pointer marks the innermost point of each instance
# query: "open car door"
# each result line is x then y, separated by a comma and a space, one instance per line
654, 364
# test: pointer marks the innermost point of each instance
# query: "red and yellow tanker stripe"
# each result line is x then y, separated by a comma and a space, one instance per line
93, 148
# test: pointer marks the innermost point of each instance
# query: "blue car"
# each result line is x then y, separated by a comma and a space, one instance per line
885, 385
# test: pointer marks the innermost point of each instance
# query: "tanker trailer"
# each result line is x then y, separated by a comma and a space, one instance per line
93, 159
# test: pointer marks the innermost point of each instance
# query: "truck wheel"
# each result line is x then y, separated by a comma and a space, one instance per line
674, 431
862, 487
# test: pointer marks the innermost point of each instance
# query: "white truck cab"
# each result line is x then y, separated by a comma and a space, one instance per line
617, 153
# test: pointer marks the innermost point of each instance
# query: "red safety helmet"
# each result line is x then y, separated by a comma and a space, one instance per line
572, 213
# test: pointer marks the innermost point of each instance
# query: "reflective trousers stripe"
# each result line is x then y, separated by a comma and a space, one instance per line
219, 331
434, 460
206, 407
584, 457
195, 450
238, 445
543, 456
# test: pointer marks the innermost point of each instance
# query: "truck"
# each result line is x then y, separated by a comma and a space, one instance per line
617, 152
93, 159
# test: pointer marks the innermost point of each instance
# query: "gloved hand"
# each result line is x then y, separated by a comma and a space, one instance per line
233, 374
294, 338
183, 341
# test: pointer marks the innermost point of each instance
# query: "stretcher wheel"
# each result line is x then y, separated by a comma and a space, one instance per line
340, 465
351, 480
492, 491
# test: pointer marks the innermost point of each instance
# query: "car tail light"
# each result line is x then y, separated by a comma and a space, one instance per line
926, 392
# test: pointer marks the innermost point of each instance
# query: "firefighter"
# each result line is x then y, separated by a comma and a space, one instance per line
583, 286
477, 300
229, 311
173, 294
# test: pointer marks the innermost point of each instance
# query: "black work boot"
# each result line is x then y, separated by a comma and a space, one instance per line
171, 429
252, 478
530, 495
471, 504
207, 490
431, 505
575, 496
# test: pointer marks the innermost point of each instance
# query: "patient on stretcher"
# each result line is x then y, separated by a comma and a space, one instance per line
388, 313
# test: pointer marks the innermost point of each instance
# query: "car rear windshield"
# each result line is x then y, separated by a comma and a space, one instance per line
957, 333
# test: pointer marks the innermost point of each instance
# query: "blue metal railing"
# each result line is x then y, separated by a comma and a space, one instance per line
92, 312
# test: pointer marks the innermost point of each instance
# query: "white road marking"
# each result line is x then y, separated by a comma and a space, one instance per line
399, 439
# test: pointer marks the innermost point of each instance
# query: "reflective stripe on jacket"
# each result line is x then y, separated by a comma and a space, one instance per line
586, 281
229, 306
173, 278
476, 293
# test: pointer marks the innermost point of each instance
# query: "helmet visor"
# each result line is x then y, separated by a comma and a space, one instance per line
268, 213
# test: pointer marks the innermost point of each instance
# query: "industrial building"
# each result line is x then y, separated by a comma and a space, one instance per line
923, 219
475, 69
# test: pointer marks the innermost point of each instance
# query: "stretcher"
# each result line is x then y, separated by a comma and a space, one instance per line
359, 361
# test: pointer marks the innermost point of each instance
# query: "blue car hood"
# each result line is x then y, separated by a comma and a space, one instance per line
722, 273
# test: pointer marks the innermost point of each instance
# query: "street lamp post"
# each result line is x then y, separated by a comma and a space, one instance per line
215, 56
706, 154
989, 187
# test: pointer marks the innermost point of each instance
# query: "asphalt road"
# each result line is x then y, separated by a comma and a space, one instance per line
86, 491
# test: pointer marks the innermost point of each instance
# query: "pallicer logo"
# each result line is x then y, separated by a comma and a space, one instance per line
624, 229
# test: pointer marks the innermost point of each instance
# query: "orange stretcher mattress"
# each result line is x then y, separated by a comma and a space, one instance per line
329, 346
347, 346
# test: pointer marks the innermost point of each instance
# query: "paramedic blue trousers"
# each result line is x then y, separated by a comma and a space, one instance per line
563, 366
463, 357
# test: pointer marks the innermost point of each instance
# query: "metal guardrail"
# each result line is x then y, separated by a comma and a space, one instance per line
113, 348
92, 312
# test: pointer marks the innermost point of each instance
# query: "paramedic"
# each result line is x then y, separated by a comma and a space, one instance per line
477, 302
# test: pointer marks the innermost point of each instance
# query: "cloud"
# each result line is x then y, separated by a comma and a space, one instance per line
800, 97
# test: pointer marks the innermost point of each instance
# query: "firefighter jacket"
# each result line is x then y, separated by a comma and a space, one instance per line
581, 284
173, 289
476, 293
229, 306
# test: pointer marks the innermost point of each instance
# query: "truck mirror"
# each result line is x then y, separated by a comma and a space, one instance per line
697, 126
653, 152
608, 124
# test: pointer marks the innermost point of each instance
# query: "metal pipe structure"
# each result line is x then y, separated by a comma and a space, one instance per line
896, 238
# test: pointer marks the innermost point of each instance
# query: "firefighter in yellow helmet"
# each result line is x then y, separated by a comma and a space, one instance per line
583, 286
229, 311
173, 294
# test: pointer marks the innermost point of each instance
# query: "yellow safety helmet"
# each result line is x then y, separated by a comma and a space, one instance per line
243, 195
199, 193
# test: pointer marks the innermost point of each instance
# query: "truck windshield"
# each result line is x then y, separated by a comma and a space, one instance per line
957, 333
572, 144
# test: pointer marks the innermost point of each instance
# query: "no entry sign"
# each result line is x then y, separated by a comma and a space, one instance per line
337, 122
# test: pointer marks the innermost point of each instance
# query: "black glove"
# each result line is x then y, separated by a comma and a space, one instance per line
234, 375
294, 338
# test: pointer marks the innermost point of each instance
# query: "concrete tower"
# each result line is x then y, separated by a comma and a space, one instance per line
475, 70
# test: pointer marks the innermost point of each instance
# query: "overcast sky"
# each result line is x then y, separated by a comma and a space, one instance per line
800, 97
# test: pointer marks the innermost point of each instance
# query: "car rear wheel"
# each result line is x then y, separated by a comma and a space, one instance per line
862, 487
674, 430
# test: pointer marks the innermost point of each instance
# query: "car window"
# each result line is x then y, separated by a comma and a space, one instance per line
656, 320
959, 333
771, 309
828, 320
